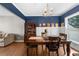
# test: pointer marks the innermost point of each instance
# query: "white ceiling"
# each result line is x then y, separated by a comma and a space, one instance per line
36, 9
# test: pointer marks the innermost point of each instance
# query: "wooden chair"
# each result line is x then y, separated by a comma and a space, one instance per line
63, 36
54, 45
34, 46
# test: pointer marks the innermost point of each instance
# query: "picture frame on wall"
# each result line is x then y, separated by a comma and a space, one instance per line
43, 24
52, 24
40, 25
48, 24
62, 24
56, 24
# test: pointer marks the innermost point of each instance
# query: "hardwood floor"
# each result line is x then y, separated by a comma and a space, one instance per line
19, 49
14, 49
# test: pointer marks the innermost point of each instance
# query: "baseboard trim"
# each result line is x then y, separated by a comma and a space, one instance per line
19, 41
74, 41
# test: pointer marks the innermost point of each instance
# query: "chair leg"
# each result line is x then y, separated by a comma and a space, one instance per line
42, 50
31, 50
57, 53
48, 53
64, 48
46, 50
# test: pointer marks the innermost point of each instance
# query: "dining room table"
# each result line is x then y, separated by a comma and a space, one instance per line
42, 41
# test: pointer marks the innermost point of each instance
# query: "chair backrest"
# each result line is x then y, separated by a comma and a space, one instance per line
63, 36
53, 38
54, 44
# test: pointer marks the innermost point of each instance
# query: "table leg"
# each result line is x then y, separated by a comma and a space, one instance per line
27, 51
68, 48
64, 49
37, 51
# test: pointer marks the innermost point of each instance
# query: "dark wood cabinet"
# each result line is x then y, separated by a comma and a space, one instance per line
30, 30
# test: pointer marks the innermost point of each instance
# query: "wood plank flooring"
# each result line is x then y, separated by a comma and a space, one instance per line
14, 49
19, 49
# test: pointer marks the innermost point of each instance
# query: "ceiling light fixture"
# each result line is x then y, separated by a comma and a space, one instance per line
47, 11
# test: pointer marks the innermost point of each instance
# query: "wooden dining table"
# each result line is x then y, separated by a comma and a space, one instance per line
41, 41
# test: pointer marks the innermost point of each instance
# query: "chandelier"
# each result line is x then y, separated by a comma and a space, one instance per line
47, 11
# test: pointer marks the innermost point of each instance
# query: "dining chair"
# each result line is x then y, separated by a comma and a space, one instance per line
32, 47
53, 46
63, 37
44, 35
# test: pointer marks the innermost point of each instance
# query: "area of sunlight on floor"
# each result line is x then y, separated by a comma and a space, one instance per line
73, 51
